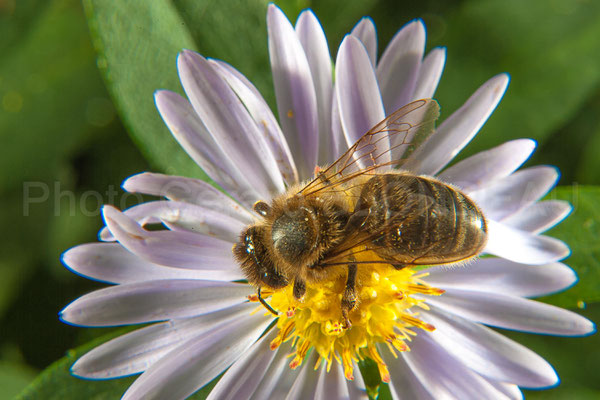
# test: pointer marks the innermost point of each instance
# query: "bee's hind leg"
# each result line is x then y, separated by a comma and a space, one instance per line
349, 297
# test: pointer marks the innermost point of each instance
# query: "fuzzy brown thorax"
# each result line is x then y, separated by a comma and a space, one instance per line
294, 233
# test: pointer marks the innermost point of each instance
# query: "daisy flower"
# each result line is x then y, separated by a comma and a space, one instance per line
426, 329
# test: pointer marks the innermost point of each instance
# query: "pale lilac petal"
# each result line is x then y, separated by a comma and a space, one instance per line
198, 361
187, 190
502, 276
331, 385
506, 196
430, 74
512, 312
294, 90
172, 248
458, 129
111, 263
523, 247
313, 40
358, 98
484, 167
195, 139
223, 113
340, 145
365, 32
150, 301
263, 117
243, 377
444, 376
540, 216
279, 377
511, 391
418, 123
197, 219
356, 387
136, 351
305, 385
489, 353
403, 382
398, 68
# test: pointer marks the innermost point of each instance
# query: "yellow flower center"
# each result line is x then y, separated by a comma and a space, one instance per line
386, 312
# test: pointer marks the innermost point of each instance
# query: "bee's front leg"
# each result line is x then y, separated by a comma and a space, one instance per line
349, 297
299, 288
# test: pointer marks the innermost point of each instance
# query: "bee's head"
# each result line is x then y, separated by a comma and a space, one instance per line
255, 260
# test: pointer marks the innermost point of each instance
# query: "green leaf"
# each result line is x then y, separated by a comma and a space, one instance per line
588, 168
217, 27
549, 47
50, 92
581, 231
137, 43
57, 383
574, 147
575, 359
16, 19
13, 379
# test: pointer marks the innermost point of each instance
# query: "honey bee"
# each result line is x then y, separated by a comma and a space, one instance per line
360, 204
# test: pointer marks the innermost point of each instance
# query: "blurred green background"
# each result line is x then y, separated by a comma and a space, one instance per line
77, 117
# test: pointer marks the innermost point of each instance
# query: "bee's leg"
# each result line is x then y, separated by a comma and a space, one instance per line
399, 266
264, 303
299, 288
349, 297
262, 208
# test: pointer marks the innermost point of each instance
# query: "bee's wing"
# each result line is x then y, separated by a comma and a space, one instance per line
387, 144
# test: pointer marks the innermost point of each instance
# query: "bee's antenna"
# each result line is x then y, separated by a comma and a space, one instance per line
264, 303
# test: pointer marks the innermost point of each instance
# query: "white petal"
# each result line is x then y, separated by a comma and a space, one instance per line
430, 73
356, 387
263, 117
332, 385
136, 303
305, 385
187, 190
458, 129
540, 216
228, 122
193, 136
340, 145
403, 382
484, 167
502, 276
511, 391
398, 68
504, 197
110, 262
241, 380
294, 90
313, 40
171, 248
136, 351
523, 247
279, 377
198, 361
512, 312
194, 218
444, 376
366, 33
357, 92
489, 353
